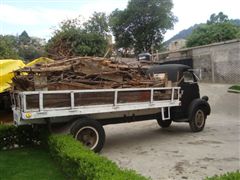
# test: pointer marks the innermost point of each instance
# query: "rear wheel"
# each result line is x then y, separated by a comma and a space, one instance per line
164, 123
90, 133
197, 119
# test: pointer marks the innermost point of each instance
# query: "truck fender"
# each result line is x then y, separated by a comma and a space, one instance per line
75, 121
199, 103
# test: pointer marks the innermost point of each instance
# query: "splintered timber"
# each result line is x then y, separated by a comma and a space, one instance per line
83, 73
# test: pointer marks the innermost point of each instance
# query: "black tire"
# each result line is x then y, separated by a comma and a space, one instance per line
164, 123
197, 119
90, 133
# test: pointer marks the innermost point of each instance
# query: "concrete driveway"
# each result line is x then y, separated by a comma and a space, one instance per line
177, 153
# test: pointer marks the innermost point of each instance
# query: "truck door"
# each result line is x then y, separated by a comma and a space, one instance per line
190, 89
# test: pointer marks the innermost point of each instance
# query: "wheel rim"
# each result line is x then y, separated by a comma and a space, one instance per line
88, 136
199, 118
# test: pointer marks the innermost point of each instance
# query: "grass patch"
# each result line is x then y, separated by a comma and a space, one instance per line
235, 87
227, 176
28, 163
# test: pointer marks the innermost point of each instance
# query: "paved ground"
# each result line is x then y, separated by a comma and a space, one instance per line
177, 153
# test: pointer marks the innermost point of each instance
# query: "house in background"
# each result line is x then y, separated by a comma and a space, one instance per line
177, 44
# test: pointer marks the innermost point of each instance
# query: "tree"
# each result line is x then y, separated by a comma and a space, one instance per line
29, 48
219, 18
142, 24
20, 47
7, 47
217, 29
71, 39
24, 38
30, 52
98, 23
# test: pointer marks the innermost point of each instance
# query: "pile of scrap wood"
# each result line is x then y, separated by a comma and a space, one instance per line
82, 73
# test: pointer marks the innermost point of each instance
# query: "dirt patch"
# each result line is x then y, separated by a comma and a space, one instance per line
179, 167
207, 159
204, 142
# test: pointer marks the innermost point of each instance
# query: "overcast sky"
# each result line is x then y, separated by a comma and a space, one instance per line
39, 17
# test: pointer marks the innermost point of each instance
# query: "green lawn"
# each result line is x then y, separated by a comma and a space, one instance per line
28, 163
227, 176
235, 88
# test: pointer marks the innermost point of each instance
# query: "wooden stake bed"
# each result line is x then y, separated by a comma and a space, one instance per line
86, 86
31, 105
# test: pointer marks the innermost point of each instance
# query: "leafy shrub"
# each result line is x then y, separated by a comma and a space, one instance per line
12, 136
77, 162
7, 136
235, 87
227, 176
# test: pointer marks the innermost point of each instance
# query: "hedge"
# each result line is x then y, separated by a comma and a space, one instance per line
78, 162
75, 160
12, 136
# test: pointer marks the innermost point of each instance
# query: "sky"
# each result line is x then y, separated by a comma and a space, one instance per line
40, 17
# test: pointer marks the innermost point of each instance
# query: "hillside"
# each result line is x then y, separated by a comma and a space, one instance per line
186, 32
236, 21
182, 34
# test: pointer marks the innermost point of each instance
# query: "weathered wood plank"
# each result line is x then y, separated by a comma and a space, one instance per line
84, 73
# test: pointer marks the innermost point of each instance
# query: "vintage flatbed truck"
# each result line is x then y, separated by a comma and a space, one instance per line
84, 112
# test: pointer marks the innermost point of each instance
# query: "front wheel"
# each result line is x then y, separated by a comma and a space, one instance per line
90, 133
164, 123
197, 119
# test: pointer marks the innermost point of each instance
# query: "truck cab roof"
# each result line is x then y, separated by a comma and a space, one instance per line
174, 71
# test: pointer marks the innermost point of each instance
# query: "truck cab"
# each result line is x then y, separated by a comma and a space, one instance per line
193, 109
